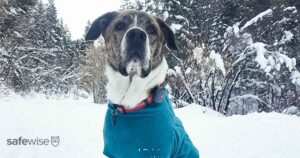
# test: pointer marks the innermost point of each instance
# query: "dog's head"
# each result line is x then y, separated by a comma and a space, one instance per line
134, 40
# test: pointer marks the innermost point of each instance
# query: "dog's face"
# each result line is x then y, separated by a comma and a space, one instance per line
134, 41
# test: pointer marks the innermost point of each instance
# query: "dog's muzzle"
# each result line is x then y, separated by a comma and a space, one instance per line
135, 53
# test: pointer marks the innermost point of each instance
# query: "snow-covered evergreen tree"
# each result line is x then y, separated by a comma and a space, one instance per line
236, 56
37, 53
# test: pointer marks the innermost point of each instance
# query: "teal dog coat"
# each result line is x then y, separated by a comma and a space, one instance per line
151, 132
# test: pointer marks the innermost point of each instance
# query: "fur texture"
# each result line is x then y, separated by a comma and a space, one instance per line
130, 90
135, 43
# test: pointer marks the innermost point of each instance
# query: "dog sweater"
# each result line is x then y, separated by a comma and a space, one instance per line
151, 132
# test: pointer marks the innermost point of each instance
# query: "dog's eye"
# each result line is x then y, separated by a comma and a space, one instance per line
151, 29
120, 26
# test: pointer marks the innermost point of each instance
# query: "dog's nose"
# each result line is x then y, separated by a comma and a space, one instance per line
136, 35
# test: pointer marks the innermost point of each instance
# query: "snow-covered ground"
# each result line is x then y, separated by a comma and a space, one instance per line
78, 123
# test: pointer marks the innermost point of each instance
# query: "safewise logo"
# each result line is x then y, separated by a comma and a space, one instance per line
54, 141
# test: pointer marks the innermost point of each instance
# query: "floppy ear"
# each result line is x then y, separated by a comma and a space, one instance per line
99, 25
168, 34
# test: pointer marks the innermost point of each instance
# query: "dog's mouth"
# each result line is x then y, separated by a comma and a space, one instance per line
135, 65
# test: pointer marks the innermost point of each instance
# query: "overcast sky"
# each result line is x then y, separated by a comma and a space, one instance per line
76, 13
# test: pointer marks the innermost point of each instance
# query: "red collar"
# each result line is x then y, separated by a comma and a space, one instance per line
140, 105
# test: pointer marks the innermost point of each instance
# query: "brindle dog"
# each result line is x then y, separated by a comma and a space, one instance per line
136, 64
135, 43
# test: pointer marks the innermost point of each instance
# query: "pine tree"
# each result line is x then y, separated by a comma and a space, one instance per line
220, 42
37, 52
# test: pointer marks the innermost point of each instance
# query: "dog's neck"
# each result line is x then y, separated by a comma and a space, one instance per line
129, 91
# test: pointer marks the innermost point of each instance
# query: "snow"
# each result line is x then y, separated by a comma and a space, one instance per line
236, 29
13, 10
287, 37
260, 54
256, 18
5, 91
218, 61
198, 54
271, 61
17, 34
178, 69
75, 122
295, 77
233, 30
290, 8
268, 63
3, 52
255, 135
295, 11
166, 15
289, 62
284, 20
179, 17
188, 70
78, 123
171, 72
246, 96
176, 27
293, 110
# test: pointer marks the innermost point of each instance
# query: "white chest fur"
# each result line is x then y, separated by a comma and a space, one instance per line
127, 91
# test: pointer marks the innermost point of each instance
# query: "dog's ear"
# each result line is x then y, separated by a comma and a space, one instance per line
168, 34
99, 25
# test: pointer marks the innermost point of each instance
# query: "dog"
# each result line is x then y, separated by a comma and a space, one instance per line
140, 122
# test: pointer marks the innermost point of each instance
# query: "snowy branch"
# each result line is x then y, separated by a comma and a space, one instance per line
256, 18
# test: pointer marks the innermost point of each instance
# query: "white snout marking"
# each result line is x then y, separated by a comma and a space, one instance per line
135, 21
